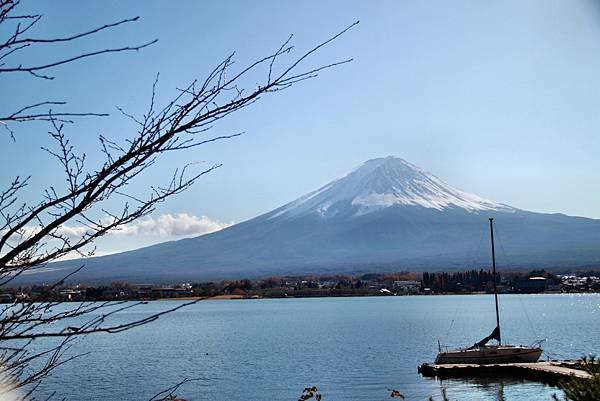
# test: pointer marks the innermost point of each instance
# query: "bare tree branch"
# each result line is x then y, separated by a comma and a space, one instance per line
35, 234
16, 43
169, 393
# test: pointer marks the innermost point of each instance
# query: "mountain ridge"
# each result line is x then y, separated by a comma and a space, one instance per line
384, 182
386, 214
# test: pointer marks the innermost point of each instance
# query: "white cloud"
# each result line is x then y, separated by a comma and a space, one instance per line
165, 225
177, 224
143, 232
28, 231
71, 231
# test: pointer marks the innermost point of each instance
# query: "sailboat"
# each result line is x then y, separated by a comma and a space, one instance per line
481, 353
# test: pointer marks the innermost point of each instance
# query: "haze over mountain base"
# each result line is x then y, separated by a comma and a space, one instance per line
386, 215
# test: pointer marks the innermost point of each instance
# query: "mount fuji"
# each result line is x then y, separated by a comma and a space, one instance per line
386, 215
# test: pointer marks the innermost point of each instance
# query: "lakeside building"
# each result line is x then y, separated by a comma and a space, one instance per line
407, 287
165, 292
531, 285
72, 295
578, 283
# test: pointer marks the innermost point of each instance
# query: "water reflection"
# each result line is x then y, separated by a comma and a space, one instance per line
351, 348
496, 388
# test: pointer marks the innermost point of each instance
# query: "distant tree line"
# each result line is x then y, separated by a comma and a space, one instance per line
483, 280
467, 281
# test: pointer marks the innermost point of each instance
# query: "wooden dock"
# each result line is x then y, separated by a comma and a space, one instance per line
550, 372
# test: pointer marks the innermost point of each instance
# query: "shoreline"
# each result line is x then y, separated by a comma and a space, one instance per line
243, 297
224, 297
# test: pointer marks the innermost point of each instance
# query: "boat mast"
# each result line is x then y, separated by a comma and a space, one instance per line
494, 277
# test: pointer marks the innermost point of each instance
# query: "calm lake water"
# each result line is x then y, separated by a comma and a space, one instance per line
351, 348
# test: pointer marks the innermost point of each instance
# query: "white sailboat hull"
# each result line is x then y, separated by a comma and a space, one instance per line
489, 355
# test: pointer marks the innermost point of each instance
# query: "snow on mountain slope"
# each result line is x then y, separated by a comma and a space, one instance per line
387, 215
384, 182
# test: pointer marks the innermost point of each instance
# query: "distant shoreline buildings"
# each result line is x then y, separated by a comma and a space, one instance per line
373, 284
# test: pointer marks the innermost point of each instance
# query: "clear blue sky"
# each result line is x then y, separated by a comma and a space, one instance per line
497, 98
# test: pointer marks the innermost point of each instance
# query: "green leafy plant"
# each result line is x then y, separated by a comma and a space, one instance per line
583, 389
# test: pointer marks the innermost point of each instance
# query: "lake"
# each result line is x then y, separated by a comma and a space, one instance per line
351, 348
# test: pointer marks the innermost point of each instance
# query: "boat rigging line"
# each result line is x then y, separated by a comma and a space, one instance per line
534, 332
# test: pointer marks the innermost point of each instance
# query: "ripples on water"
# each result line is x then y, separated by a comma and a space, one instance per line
351, 348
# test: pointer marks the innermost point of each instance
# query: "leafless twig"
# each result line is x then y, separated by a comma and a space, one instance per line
69, 217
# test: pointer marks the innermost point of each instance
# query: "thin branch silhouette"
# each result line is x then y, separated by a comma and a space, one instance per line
97, 199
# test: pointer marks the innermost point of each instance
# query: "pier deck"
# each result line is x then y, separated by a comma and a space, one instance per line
548, 372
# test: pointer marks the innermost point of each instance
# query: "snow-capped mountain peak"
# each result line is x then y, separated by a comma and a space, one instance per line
386, 215
385, 182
